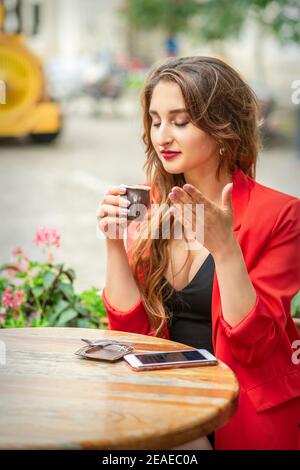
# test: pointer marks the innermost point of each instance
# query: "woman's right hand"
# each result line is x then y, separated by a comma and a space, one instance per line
112, 213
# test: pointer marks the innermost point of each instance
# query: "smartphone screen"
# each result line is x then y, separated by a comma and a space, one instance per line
176, 356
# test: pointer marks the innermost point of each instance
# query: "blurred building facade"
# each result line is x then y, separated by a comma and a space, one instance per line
72, 27
69, 28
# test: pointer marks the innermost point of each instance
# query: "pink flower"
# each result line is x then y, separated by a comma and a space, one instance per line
13, 301
20, 260
17, 251
50, 257
19, 298
47, 236
8, 298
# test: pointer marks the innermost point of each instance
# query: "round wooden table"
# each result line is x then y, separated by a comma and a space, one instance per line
52, 399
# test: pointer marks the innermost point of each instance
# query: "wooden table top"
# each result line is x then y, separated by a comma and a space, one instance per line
52, 399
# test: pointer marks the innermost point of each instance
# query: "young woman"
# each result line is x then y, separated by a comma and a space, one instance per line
231, 291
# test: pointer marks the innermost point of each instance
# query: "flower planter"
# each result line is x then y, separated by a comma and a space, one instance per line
42, 294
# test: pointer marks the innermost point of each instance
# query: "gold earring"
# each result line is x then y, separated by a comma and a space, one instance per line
222, 151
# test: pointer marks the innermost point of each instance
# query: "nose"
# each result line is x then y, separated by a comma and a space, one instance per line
164, 135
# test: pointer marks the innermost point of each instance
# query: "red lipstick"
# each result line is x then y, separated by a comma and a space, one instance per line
169, 154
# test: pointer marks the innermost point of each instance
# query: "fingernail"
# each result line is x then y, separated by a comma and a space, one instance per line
122, 189
125, 203
124, 211
172, 196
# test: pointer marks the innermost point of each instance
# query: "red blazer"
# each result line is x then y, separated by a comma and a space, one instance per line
259, 348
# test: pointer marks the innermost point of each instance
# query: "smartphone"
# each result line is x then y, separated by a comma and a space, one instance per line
170, 359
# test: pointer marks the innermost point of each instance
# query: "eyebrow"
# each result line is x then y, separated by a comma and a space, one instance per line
172, 111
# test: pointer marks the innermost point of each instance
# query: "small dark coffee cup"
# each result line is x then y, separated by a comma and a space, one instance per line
139, 196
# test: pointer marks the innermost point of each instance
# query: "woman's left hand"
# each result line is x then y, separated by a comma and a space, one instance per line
214, 230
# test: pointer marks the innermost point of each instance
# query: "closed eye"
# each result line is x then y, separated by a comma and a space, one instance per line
177, 124
181, 124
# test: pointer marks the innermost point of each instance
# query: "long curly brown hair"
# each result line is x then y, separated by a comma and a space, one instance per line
221, 104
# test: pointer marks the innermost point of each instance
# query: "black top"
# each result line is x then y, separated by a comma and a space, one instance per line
190, 308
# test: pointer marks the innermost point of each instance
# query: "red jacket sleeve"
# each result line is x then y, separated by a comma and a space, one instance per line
134, 320
276, 279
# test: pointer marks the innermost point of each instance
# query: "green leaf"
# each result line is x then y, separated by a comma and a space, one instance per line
66, 316
93, 301
35, 264
81, 309
37, 281
67, 290
72, 273
3, 284
48, 278
14, 323
62, 305
58, 309
21, 275
39, 322
83, 323
59, 266
37, 291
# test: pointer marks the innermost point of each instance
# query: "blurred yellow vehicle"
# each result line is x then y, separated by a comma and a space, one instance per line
25, 108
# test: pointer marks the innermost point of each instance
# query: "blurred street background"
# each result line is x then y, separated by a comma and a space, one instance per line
70, 133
